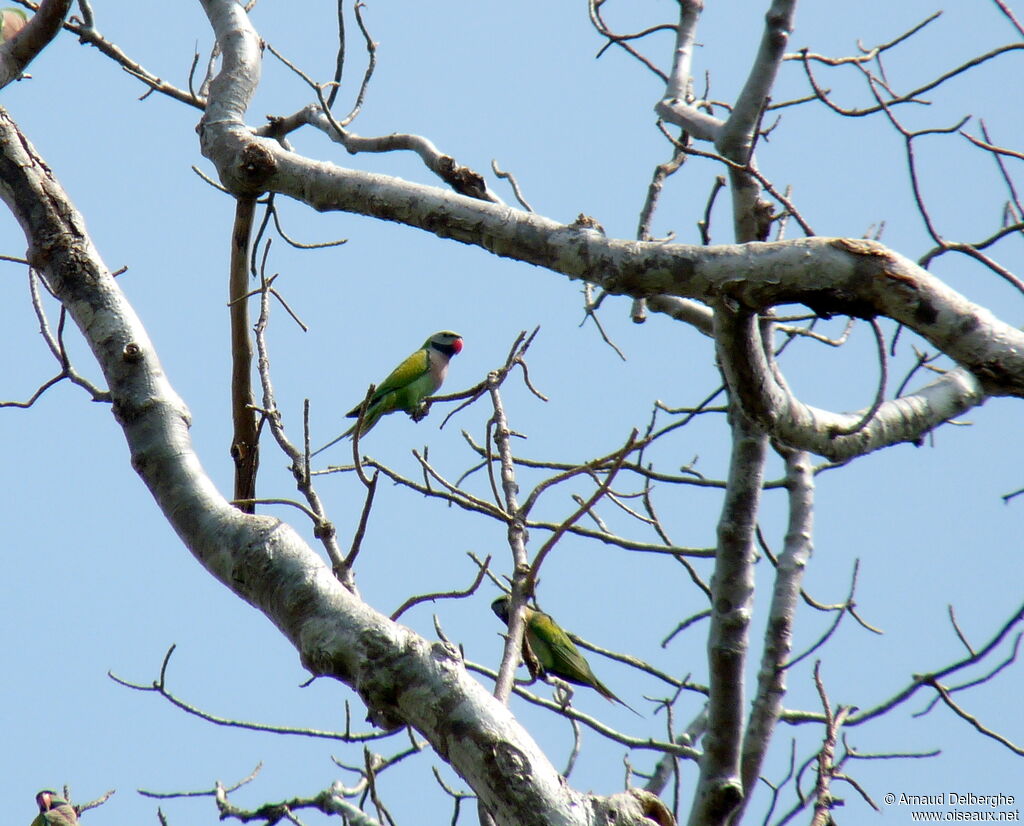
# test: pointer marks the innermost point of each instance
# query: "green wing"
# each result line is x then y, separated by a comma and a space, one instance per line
404, 388
557, 653
397, 384
404, 375
60, 815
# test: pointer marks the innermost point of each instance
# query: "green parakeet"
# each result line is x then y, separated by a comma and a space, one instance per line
419, 376
12, 21
54, 810
550, 649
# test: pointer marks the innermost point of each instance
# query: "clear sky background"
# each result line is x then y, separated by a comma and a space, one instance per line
95, 580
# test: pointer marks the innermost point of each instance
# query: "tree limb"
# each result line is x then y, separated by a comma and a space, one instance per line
831, 276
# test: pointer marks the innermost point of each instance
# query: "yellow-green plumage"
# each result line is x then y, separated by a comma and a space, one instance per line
405, 388
551, 648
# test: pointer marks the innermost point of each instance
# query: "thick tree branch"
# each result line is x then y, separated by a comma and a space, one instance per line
676, 107
403, 678
522, 585
831, 276
845, 276
245, 448
771, 679
736, 139
720, 788
765, 397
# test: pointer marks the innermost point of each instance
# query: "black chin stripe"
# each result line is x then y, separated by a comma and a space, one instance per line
447, 349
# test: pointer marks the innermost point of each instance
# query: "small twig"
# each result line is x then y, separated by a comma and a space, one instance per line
371, 65
959, 633
409, 603
847, 607
159, 686
700, 615
680, 750
210, 181
508, 176
704, 225
319, 245
204, 793
291, 502
622, 41
602, 489
925, 679
1005, 9
970, 718
364, 518
590, 311
88, 33
883, 364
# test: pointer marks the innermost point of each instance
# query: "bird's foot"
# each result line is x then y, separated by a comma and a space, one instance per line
420, 412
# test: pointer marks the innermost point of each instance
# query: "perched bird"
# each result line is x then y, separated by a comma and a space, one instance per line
12, 21
54, 810
408, 384
547, 648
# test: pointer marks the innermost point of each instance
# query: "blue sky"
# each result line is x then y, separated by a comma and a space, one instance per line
97, 581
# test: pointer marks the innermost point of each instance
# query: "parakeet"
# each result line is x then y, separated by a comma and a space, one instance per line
54, 810
409, 384
12, 21
550, 649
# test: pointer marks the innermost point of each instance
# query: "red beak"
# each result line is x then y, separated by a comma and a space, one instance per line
457, 345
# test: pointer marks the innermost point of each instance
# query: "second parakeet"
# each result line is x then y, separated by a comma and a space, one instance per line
551, 649
12, 21
405, 388
54, 810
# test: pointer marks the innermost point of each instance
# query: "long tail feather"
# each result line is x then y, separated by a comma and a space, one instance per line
330, 443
